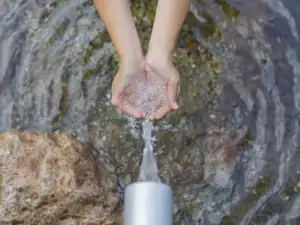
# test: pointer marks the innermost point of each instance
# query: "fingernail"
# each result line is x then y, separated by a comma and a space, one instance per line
144, 115
152, 117
175, 105
119, 111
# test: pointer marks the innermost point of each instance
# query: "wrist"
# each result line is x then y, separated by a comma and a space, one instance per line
130, 53
159, 56
132, 63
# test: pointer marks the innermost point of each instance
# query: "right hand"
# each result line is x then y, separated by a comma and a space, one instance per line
125, 88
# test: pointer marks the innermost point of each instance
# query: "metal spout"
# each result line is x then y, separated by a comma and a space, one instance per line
148, 203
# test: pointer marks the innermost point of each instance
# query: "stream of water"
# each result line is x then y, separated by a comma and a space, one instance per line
230, 152
148, 169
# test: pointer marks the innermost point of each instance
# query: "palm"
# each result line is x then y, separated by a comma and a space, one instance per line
166, 76
146, 92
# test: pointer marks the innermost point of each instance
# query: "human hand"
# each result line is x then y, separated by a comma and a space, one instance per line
146, 86
127, 84
165, 78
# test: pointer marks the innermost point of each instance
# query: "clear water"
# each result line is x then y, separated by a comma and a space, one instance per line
230, 153
148, 168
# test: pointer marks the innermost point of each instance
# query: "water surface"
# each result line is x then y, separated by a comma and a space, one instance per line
231, 152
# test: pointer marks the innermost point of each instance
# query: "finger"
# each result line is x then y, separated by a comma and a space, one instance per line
173, 92
160, 113
130, 110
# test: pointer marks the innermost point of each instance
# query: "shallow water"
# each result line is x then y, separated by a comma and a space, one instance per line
231, 152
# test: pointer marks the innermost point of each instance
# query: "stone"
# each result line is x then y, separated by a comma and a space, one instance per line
294, 212
49, 178
219, 160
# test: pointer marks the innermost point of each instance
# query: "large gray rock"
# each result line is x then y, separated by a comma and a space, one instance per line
51, 179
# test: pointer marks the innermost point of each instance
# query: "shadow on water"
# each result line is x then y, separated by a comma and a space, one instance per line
230, 152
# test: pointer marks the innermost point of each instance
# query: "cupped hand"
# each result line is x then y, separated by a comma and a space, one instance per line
164, 79
150, 87
128, 82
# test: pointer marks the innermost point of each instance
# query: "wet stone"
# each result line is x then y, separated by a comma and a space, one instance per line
49, 178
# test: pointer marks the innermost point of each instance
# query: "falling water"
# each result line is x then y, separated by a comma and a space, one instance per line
148, 169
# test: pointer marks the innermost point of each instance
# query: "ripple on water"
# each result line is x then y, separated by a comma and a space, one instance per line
240, 71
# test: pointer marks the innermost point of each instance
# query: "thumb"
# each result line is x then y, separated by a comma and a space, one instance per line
173, 92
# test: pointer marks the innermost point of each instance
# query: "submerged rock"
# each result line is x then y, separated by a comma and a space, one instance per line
51, 179
220, 160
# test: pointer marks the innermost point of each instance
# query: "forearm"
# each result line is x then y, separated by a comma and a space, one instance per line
120, 25
169, 18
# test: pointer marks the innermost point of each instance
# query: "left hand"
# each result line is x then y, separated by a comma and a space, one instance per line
165, 80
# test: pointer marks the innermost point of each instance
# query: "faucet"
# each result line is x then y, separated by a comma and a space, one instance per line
148, 203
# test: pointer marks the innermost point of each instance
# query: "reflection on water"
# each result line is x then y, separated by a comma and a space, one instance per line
230, 152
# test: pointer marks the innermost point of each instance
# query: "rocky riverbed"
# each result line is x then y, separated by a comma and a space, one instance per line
231, 152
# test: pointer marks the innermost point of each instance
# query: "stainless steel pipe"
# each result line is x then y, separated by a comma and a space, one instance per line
148, 203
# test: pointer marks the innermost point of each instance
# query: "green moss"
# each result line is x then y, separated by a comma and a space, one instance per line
190, 85
63, 104
229, 10
262, 186
187, 210
110, 223
53, 5
227, 220
59, 31
114, 62
48, 10
207, 27
138, 11
94, 45
144, 14
258, 190
91, 72
284, 197
248, 138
